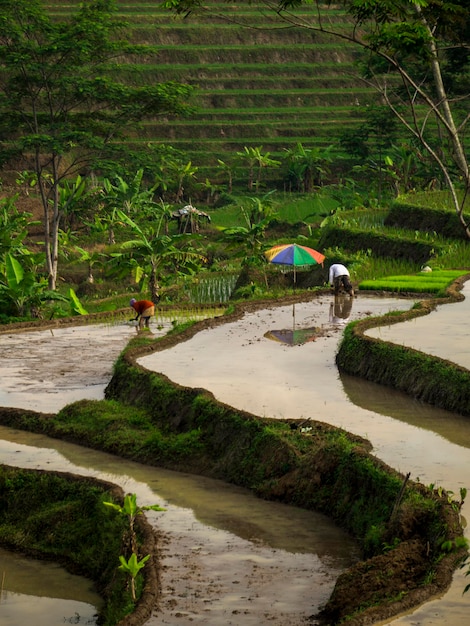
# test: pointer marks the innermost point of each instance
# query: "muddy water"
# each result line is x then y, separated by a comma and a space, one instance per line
243, 368
30, 591
225, 552
38, 369
223, 569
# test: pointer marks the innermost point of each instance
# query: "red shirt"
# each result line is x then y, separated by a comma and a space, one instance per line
142, 305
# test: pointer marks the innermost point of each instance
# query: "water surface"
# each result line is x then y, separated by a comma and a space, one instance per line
227, 556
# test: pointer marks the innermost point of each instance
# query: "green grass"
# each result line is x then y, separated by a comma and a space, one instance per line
292, 209
441, 200
425, 282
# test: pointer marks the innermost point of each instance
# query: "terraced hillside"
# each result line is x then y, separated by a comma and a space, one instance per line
259, 82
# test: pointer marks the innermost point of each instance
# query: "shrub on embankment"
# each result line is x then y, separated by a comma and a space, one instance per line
378, 242
61, 517
427, 378
416, 217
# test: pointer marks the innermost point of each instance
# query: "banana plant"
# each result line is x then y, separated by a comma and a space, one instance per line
227, 168
20, 287
248, 240
149, 250
14, 227
92, 259
76, 307
256, 160
133, 567
131, 510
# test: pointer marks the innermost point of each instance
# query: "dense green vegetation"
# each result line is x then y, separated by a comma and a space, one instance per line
220, 261
419, 67
273, 108
108, 226
64, 518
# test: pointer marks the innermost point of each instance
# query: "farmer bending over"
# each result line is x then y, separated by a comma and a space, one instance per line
339, 277
144, 309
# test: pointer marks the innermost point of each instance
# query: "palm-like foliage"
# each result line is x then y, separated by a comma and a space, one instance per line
306, 167
21, 291
149, 251
249, 239
256, 160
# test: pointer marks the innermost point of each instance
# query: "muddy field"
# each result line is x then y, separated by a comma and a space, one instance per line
44, 371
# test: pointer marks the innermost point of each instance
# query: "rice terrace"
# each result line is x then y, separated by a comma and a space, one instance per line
198, 423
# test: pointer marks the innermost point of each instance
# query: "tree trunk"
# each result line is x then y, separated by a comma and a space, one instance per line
444, 109
153, 284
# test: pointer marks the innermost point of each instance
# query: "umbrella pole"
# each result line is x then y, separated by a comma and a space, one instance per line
293, 306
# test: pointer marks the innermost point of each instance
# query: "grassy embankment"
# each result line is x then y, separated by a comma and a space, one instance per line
62, 517
417, 241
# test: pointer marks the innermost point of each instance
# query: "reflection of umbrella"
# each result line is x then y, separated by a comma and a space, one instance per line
294, 337
295, 256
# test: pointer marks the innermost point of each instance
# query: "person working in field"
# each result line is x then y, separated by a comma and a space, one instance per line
145, 310
339, 277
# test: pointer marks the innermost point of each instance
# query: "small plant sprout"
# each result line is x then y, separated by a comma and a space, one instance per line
463, 495
466, 563
131, 510
450, 497
133, 567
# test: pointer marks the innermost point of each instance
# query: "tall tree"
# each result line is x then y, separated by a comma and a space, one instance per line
59, 106
416, 54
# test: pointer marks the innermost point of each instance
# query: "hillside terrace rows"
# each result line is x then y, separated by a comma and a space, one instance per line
257, 82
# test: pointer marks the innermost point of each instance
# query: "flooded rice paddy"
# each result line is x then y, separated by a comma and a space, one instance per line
229, 558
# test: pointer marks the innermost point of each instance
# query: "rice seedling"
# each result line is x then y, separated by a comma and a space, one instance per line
212, 288
423, 282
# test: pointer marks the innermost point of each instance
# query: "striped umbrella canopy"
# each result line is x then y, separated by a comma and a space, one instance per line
295, 256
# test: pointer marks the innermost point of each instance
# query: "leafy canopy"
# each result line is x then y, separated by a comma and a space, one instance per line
60, 107
415, 53
57, 94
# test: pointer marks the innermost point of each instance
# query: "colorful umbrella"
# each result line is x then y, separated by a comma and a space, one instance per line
295, 256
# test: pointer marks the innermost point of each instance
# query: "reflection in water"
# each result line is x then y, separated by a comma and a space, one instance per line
31, 591
18, 609
240, 546
340, 310
387, 401
234, 509
297, 335
245, 372
305, 383
294, 337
